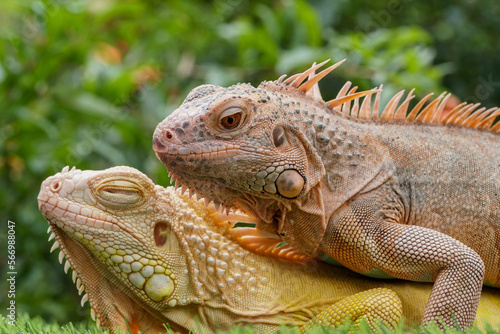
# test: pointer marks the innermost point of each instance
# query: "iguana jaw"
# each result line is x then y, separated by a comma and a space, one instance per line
282, 177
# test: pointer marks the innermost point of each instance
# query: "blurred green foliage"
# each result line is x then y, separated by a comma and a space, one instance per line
84, 83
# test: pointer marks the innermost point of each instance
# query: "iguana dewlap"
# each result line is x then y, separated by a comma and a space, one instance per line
401, 193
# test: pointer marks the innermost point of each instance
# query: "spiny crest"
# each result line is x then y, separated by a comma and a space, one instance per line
464, 114
310, 86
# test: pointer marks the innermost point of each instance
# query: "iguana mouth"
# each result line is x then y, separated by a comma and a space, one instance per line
192, 152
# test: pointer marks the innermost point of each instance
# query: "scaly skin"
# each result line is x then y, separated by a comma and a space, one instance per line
413, 197
147, 256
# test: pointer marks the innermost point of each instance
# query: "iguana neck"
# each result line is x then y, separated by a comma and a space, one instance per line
353, 155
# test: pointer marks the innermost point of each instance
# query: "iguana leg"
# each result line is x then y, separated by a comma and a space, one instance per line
359, 237
374, 306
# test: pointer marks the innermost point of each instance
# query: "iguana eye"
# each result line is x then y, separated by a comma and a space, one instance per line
119, 193
230, 118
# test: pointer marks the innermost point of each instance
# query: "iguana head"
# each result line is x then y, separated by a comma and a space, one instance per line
146, 255
103, 223
216, 129
254, 148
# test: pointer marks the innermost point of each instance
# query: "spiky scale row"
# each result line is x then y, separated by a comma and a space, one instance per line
219, 207
464, 114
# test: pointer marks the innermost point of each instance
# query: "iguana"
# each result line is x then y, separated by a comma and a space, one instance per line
147, 256
398, 193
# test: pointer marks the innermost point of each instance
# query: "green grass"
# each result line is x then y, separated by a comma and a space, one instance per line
27, 325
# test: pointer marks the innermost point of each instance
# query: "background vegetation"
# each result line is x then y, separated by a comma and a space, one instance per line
84, 83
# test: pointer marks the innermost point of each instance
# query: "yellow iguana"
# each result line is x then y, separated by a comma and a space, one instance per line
147, 256
400, 193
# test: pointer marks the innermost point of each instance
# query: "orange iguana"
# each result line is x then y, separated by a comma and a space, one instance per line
147, 256
406, 194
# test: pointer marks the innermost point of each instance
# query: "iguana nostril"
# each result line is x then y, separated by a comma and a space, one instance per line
168, 134
55, 186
